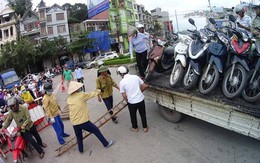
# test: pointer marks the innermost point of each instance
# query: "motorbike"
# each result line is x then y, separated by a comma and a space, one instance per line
217, 51
16, 143
160, 58
251, 93
197, 57
235, 78
180, 59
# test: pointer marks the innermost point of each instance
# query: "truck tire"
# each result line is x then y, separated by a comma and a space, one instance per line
169, 114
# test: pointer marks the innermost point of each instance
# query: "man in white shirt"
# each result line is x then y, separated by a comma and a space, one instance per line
79, 76
131, 88
243, 21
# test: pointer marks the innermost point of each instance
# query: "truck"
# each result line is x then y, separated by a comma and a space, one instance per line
8, 79
174, 103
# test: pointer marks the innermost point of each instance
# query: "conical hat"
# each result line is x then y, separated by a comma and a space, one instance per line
74, 86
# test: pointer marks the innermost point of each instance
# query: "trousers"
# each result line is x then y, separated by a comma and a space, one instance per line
90, 127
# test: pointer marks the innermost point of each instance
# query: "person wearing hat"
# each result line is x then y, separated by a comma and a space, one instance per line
138, 44
52, 110
21, 116
67, 76
255, 28
79, 114
131, 88
243, 21
105, 83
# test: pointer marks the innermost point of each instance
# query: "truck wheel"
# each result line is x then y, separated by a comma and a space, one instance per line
169, 114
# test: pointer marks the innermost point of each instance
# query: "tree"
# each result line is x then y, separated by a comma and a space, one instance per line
17, 54
80, 42
20, 6
157, 28
76, 13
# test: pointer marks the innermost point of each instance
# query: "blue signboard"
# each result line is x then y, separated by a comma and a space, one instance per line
97, 6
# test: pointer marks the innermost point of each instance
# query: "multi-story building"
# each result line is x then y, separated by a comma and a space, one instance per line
8, 30
30, 26
53, 21
143, 16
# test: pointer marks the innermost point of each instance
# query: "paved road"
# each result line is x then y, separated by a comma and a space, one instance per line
190, 141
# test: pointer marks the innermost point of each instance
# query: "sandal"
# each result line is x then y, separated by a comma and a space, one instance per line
146, 129
42, 155
134, 129
44, 145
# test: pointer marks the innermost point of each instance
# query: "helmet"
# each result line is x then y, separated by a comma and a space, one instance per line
131, 31
103, 69
140, 26
239, 8
47, 87
122, 70
11, 101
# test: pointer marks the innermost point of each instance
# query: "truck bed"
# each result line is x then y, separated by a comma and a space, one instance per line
161, 81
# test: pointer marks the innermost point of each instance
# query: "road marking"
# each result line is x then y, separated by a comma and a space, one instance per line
56, 89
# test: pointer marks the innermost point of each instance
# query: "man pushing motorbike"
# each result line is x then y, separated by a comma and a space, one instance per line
23, 120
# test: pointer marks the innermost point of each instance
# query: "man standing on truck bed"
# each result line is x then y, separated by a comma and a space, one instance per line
131, 88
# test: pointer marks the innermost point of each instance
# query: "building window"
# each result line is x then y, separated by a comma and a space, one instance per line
61, 29
11, 31
136, 16
135, 7
42, 15
49, 19
50, 31
153, 11
6, 33
129, 4
60, 16
30, 26
129, 14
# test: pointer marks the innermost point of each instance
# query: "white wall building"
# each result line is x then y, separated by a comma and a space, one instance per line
8, 31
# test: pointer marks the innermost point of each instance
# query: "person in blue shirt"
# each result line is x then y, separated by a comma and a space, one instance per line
138, 44
79, 76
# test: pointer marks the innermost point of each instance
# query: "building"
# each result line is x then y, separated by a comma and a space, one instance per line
143, 17
30, 26
53, 23
8, 29
163, 19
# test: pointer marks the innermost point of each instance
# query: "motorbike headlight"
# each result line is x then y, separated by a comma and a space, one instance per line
245, 37
187, 41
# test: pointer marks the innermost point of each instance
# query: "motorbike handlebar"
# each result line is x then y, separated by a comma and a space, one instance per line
190, 31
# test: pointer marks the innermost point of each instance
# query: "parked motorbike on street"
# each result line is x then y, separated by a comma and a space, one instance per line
197, 57
235, 78
218, 55
251, 93
160, 58
16, 143
180, 59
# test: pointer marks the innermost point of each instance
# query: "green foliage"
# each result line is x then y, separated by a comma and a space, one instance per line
17, 54
119, 61
80, 42
20, 6
76, 13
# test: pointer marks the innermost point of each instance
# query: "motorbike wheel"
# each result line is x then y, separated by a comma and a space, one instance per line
251, 93
211, 81
190, 79
176, 75
148, 76
234, 87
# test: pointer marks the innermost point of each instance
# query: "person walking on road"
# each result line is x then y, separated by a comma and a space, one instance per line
52, 110
67, 76
131, 88
21, 116
79, 114
79, 76
105, 83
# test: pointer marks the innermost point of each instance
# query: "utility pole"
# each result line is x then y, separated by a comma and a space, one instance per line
117, 27
177, 21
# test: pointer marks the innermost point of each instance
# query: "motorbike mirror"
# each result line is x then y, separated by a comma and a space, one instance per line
191, 21
232, 18
212, 21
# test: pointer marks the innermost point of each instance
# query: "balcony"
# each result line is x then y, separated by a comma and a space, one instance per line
7, 24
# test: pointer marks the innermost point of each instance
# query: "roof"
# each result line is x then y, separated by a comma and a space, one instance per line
54, 6
8, 74
7, 10
27, 12
42, 4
